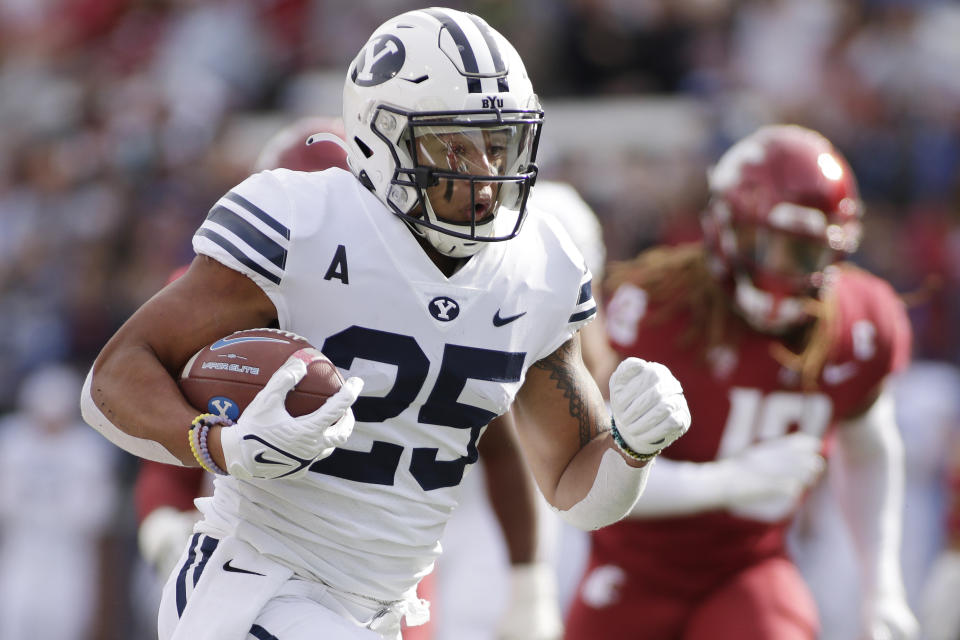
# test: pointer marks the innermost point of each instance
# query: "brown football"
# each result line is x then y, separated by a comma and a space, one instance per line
223, 377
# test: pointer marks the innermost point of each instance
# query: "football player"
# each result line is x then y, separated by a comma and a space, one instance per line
783, 351
416, 275
164, 493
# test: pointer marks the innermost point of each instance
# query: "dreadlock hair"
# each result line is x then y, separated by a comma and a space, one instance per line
678, 280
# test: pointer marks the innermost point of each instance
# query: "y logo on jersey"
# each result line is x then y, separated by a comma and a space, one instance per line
443, 308
379, 60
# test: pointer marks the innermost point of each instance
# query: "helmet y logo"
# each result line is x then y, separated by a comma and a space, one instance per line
379, 60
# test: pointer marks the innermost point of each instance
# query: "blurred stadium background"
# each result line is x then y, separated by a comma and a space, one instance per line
123, 120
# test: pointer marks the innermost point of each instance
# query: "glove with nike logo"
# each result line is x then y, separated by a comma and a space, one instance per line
268, 443
649, 410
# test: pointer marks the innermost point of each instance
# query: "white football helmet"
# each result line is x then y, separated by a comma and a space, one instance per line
423, 79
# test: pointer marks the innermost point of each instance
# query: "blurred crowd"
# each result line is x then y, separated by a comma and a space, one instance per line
124, 120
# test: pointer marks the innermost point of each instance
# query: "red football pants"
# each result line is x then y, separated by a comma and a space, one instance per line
766, 601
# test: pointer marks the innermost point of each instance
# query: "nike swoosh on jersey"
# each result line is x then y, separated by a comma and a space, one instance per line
226, 342
229, 567
499, 321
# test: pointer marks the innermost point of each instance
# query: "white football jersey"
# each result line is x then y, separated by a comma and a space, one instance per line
440, 357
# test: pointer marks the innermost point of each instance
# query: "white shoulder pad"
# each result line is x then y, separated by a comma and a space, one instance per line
252, 227
561, 201
566, 276
248, 229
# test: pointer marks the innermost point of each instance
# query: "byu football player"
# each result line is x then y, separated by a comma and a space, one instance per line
419, 275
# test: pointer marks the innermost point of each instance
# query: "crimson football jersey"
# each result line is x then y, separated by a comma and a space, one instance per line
740, 395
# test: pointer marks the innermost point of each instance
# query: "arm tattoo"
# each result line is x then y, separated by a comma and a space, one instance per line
560, 369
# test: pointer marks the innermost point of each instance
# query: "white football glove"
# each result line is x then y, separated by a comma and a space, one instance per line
533, 609
648, 405
162, 536
764, 481
939, 608
267, 442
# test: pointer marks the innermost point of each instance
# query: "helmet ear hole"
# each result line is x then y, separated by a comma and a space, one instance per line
367, 151
366, 181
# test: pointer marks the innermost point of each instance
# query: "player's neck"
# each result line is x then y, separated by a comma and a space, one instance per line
447, 265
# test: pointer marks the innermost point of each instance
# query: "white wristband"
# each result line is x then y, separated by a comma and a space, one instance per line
140, 447
615, 490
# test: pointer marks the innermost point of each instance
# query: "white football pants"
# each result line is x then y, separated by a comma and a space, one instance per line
223, 590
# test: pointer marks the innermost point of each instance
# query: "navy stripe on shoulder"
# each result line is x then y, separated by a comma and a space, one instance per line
262, 215
259, 241
586, 292
583, 315
260, 633
234, 251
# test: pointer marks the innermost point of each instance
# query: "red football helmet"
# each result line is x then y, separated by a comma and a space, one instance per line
784, 206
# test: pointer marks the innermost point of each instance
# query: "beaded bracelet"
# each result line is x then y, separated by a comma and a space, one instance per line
624, 447
198, 440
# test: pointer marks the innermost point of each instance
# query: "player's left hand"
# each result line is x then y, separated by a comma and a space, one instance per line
648, 405
888, 617
533, 610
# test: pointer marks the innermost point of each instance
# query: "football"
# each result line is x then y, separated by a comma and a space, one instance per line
223, 377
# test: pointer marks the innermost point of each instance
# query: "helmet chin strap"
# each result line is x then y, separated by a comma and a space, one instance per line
766, 312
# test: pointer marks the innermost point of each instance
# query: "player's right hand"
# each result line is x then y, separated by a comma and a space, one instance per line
765, 480
267, 442
648, 406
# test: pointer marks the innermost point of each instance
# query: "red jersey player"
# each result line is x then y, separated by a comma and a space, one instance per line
782, 350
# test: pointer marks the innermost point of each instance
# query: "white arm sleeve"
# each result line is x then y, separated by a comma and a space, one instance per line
137, 446
870, 494
615, 490
680, 489
764, 481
